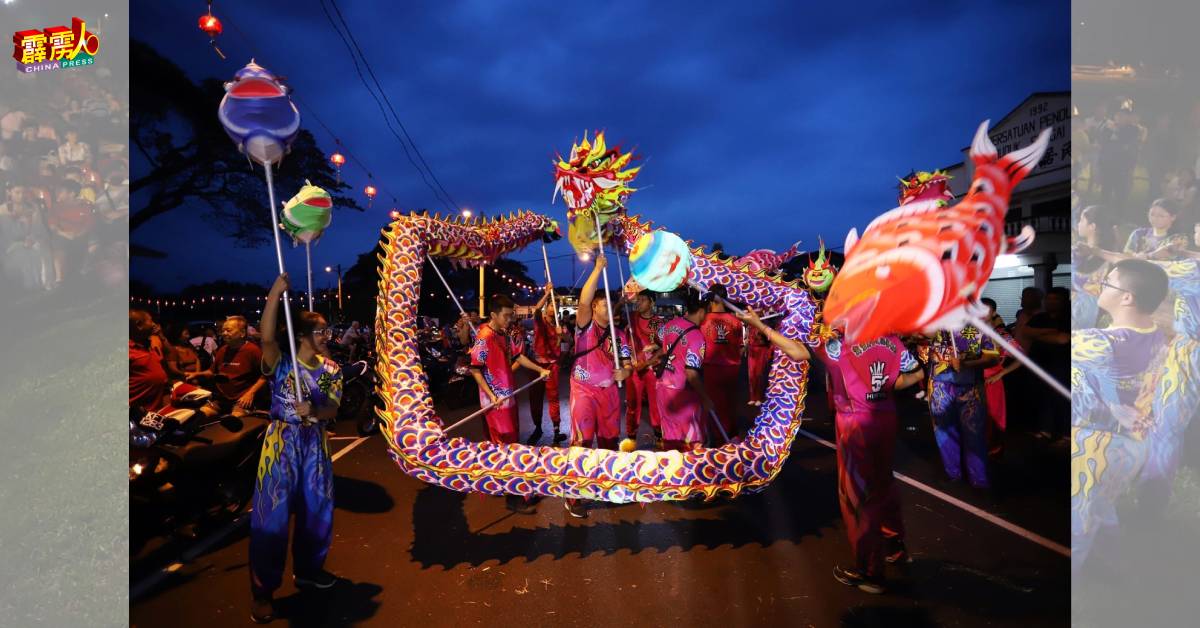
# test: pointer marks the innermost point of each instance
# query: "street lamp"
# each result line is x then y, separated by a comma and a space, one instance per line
329, 269
466, 213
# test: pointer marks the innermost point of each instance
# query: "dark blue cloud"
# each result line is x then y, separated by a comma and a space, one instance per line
762, 122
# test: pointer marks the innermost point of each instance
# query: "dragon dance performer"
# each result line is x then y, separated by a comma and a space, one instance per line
546, 353
994, 393
681, 393
644, 332
956, 401
1113, 373
1177, 398
758, 357
595, 401
723, 356
295, 472
493, 358
864, 379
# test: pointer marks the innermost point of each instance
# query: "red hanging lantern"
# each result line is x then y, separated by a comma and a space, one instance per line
370, 191
211, 27
338, 161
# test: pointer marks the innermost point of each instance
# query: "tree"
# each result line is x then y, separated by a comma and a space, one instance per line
174, 127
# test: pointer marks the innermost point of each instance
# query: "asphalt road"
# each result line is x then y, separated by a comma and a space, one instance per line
419, 555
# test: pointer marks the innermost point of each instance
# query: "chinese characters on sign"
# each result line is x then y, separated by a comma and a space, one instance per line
55, 47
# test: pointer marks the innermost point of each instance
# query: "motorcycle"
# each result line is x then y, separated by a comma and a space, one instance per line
186, 468
358, 389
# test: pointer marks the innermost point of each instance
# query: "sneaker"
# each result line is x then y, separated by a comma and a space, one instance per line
262, 611
852, 578
559, 437
897, 552
519, 505
319, 580
577, 510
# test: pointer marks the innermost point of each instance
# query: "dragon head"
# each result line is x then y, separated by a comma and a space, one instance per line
593, 179
819, 274
925, 186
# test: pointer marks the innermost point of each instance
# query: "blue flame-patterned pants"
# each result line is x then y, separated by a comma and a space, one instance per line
295, 475
960, 428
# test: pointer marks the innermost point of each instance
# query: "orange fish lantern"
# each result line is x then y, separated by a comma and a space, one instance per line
921, 267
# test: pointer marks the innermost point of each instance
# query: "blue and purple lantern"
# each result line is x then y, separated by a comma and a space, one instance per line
258, 115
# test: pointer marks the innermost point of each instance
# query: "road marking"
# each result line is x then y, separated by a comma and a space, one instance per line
199, 548
954, 501
345, 450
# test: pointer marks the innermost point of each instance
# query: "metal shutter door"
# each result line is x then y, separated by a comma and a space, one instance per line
1007, 295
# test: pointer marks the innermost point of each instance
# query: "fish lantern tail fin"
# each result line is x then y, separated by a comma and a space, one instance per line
983, 151
851, 239
1019, 163
1019, 242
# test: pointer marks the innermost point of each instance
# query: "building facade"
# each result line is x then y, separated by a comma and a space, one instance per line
1042, 200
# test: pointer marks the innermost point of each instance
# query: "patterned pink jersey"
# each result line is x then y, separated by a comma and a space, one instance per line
688, 352
863, 377
492, 354
593, 355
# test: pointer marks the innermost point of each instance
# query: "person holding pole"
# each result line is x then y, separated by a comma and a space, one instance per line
644, 328
295, 472
723, 357
492, 357
680, 393
864, 380
595, 401
546, 352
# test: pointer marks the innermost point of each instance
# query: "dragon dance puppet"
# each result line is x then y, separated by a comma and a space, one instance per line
421, 448
594, 181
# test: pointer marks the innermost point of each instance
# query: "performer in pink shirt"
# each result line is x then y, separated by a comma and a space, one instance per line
682, 397
864, 378
546, 352
758, 357
595, 401
723, 344
644, 334
492, 359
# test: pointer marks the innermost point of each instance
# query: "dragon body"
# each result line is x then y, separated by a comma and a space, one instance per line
415, 434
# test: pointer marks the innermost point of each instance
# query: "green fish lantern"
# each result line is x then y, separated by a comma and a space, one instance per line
307, 214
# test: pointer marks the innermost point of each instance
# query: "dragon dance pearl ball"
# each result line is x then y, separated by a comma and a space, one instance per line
660, 261
628, 445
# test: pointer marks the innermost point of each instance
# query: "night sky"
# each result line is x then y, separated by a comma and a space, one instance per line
761, 123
